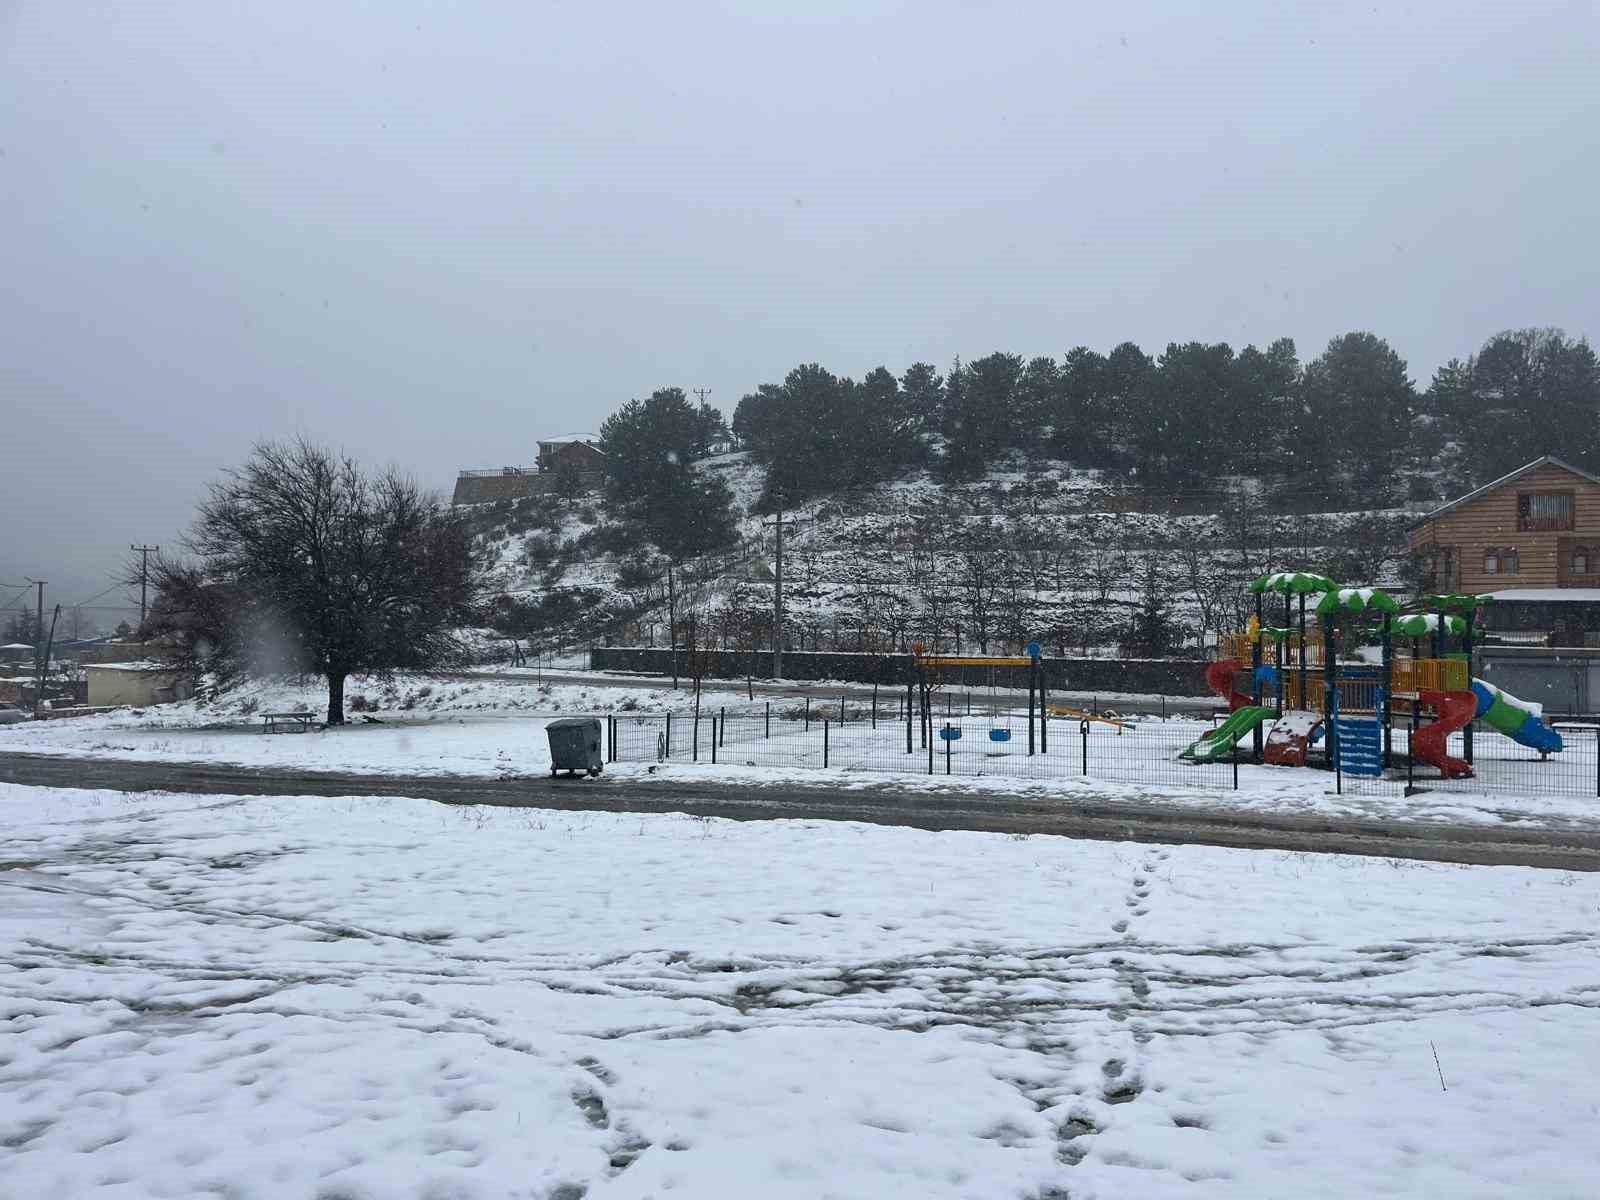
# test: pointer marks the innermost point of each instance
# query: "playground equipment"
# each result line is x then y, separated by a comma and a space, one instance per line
1351, 708
1219, 743
1079, 714
926, 677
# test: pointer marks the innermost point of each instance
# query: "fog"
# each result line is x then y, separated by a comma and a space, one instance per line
433, 233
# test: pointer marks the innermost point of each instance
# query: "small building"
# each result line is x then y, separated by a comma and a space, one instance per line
1531, 540
139, 684
17, 652
576, 455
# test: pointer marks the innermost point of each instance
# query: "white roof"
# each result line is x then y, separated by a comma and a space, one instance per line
146, 667
1551, 595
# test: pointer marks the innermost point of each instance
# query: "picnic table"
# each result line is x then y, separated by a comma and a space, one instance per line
287, 722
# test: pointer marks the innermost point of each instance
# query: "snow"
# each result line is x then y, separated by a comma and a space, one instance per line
1547, 595
370, 998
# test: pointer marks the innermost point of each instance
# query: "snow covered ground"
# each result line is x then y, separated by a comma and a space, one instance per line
370, 998
495, 729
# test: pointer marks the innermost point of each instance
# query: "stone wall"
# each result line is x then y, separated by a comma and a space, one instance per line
1147, 676
519, 485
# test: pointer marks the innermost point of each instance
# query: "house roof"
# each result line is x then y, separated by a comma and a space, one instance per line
1549, 595
1547, 460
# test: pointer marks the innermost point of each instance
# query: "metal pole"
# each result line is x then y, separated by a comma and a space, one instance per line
1236, 764
716, 734
769, 720
824, 741
144, 553
808, 714
777, 600
695, 757
1044, 713
669, 735
1033, 673
1083, 728
948, 744
721, 726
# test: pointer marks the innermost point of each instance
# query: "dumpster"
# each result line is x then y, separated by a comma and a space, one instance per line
575, 745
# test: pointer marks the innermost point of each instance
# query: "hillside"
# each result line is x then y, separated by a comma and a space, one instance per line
1043, 550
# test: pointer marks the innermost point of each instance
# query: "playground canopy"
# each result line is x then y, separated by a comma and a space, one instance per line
1302, 582
1354, 600
1422, 624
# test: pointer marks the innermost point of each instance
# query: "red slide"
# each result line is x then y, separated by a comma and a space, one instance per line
1219, 678
1455, 710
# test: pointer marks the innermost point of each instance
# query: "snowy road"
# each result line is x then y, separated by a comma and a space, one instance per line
374, 998
703, 792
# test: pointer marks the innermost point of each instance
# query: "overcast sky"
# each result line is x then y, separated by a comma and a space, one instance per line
433, 233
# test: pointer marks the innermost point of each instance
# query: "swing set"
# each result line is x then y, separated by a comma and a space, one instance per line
927, 673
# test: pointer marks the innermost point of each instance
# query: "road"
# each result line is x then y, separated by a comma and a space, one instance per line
1100, 819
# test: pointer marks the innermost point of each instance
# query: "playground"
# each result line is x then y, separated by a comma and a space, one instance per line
1349, 690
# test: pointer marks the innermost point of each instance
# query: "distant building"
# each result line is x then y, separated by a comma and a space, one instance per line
1530, 539
139, 684
554, 459
577, 455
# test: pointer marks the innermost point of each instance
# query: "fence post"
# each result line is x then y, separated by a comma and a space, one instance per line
1236, 764
824, 741
808, 714
930, 747
843, 696
949, 743
611, 739
1597, 760
874, 703
721, 727
716, 734
695, 754
769, 720
669, 736
1083, 728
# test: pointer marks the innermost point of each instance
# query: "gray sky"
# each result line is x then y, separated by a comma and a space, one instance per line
431, 233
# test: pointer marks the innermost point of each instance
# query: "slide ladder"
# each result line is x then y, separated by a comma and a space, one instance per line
1360, 746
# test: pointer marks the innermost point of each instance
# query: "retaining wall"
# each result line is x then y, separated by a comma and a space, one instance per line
1148, 676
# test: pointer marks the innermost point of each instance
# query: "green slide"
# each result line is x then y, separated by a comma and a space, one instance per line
1220, 741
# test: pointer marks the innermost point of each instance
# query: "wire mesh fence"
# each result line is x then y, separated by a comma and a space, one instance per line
859, 736
853, 736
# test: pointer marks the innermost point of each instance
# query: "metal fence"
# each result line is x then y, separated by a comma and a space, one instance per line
855, 737
850, 736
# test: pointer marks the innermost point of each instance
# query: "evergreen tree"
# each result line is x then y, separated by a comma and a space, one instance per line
650, 480
1358, 392
922, 394
1081, 423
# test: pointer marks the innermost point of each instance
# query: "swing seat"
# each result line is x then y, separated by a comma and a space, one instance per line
999, 735
950, 733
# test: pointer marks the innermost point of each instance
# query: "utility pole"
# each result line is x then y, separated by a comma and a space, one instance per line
701, 393
144, 553
777, 595
38, 626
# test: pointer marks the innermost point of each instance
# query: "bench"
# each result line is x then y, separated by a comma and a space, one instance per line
287, 722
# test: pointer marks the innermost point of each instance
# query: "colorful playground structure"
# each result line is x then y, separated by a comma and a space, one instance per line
1317, 700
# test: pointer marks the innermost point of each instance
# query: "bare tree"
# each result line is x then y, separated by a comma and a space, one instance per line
303, 563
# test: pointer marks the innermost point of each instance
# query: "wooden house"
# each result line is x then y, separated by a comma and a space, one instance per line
1531, 539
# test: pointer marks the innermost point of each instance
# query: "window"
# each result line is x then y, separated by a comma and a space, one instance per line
1580, 561
1502, 560
1538, 512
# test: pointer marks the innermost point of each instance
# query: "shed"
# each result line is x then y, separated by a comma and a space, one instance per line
139, 684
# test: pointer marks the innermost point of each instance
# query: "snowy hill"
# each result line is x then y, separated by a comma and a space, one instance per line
1044, 550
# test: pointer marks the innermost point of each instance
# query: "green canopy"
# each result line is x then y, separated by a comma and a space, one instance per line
1354, 600
1422, 624
1302, 582
1276, 634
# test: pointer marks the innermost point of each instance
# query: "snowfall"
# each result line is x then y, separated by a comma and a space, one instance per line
374, 997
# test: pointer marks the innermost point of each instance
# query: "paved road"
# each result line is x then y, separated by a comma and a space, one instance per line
1099, 819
